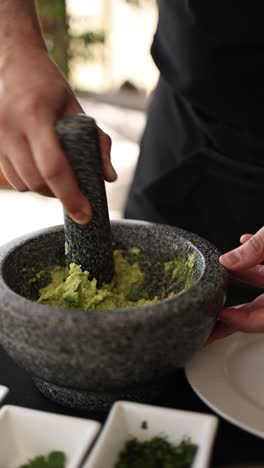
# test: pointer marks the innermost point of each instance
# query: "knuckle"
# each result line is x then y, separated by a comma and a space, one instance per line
30, 105
3, 158
51, 172
3, 122
261, 232
20, 187
257, 244
37, 186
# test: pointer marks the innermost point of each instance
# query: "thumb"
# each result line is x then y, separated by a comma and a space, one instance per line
247, 255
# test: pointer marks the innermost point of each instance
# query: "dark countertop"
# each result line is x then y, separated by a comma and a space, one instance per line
232, 445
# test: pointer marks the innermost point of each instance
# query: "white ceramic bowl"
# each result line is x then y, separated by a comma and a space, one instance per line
26, 433
125, 421
3, 392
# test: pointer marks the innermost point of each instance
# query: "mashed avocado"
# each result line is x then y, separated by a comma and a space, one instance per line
71, 288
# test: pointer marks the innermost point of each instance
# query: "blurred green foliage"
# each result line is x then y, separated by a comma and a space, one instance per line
134, 2
137, 2
62, 44
55, 27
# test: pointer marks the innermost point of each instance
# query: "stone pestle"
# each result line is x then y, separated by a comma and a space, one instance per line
88, 245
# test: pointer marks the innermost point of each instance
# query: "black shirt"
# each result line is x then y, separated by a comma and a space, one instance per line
212, 52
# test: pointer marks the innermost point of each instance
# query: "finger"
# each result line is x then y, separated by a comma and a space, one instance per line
110, 174
247, 255
22, 160
72, 107
57, 173
220, 331
14, 180
11, 174
244, 238
254, 276
248, 318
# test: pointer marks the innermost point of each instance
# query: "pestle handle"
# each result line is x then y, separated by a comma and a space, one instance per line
88, 245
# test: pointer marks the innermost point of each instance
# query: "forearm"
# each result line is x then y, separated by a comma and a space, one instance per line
19, 26
33, 95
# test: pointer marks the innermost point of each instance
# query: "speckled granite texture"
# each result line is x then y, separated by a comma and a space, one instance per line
88, 245
100, 401
107, 352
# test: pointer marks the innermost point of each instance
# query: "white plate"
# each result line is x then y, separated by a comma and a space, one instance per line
3, 392
228, 376
26, 433
125, 421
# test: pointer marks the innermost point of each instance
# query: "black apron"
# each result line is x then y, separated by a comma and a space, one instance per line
212, 53
201, 165
197, 173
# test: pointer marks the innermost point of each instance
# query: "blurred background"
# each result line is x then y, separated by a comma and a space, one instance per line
103, 48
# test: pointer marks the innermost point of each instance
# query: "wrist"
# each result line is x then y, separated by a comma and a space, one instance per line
24, 38
19, 28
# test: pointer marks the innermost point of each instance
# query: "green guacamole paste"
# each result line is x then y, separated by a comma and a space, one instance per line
71, 288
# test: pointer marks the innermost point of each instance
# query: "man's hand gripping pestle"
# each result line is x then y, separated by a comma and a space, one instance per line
89, 245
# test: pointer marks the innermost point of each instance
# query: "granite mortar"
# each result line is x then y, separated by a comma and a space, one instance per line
94, 357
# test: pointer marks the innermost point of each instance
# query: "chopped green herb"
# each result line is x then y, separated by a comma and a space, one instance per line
156, 453
52, 460
144, 425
